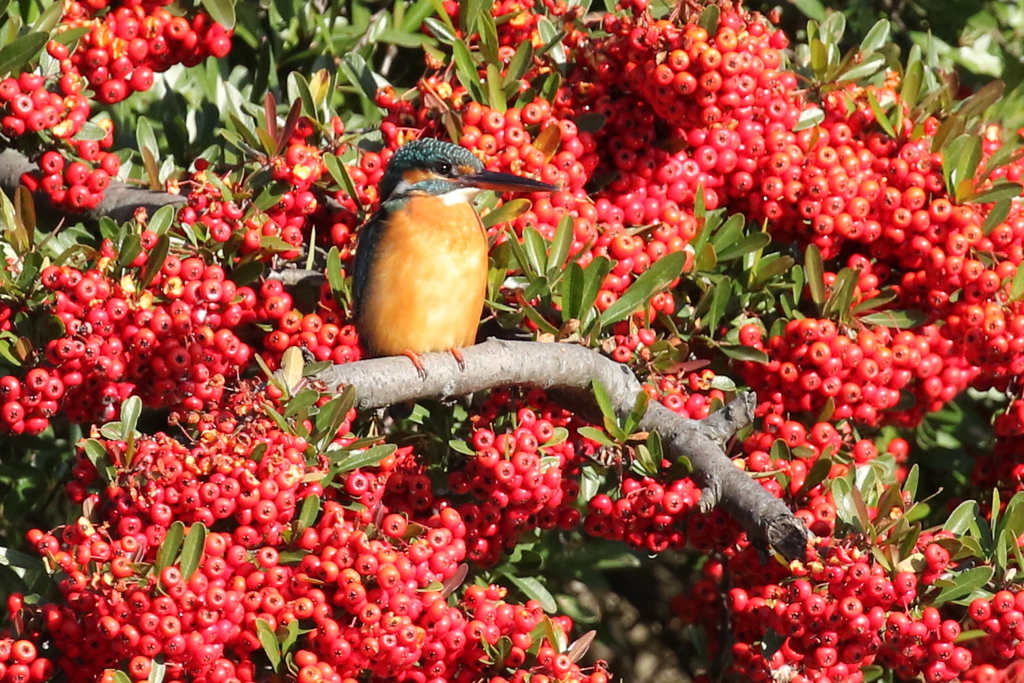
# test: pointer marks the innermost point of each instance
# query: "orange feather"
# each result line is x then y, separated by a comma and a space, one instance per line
428, 280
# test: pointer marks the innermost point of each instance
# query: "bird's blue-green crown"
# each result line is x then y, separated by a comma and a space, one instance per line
426, 159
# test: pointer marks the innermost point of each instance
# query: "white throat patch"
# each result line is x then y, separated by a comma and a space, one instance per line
463, 195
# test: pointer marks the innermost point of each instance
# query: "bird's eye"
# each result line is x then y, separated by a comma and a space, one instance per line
443, 168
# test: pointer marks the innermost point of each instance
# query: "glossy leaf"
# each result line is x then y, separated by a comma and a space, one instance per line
533, 589
168, 552
652, 281
192, 550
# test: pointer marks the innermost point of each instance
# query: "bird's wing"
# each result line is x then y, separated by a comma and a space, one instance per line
369, 236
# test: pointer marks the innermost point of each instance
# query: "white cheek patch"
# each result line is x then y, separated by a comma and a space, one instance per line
463, 195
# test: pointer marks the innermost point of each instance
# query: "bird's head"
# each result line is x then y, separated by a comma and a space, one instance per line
435, 167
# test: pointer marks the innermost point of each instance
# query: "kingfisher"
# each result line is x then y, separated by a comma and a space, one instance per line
421, 263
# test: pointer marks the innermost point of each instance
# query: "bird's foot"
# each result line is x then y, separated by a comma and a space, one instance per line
415, 358
457, 353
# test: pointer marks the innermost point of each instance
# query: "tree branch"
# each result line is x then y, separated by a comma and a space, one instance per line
119, 201
384, 381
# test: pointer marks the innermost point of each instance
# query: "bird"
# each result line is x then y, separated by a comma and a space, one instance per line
420, 271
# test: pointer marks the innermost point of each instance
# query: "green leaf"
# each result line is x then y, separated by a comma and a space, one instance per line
652, 281
367, 458
157, 671
221, 11
962, 518
561, 243
996, 216
535, 590
876, 37
721, 294
911, 86
335, 276
18, 53
308, 513
466, 71
745, 245
744, 353
1001, 190
121, 677
341, 176
985, 97
595, 434
89, 132
1017, 285
604, 402
809, 117
903, 320
146, 138
168, 552
268, 639
520, 62
192, 550
506, 213
535, 250
880, 116
495, 91
815, 269
964, 584
708, 19
131, 409
1013, 515
812, 9
13, 558
97, 455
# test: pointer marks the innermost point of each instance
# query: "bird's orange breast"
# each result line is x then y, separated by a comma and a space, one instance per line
427, 283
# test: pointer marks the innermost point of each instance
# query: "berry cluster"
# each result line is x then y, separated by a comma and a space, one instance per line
812, 362
366, 581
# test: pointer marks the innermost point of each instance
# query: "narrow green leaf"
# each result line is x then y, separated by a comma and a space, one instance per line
561, 243
268, 639
19, 52
745, 245
604, 402
131, 409
340, 174
1017, 284
985, 97
721, 294
520, 62
495, 88
744, 353
962, 518
651, 282
192, 550
1002, 190
536, 251
466, 71
535, 590
964, 584
308, 513
595, 434
168, 552
815, 269
903, 320
911, 86
367, 458
876, 109
507, 212
876, 37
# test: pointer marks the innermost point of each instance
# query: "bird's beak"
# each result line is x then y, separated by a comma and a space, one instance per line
505, 182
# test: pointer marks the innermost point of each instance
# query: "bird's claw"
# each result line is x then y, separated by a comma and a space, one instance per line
457, 353
415, 358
